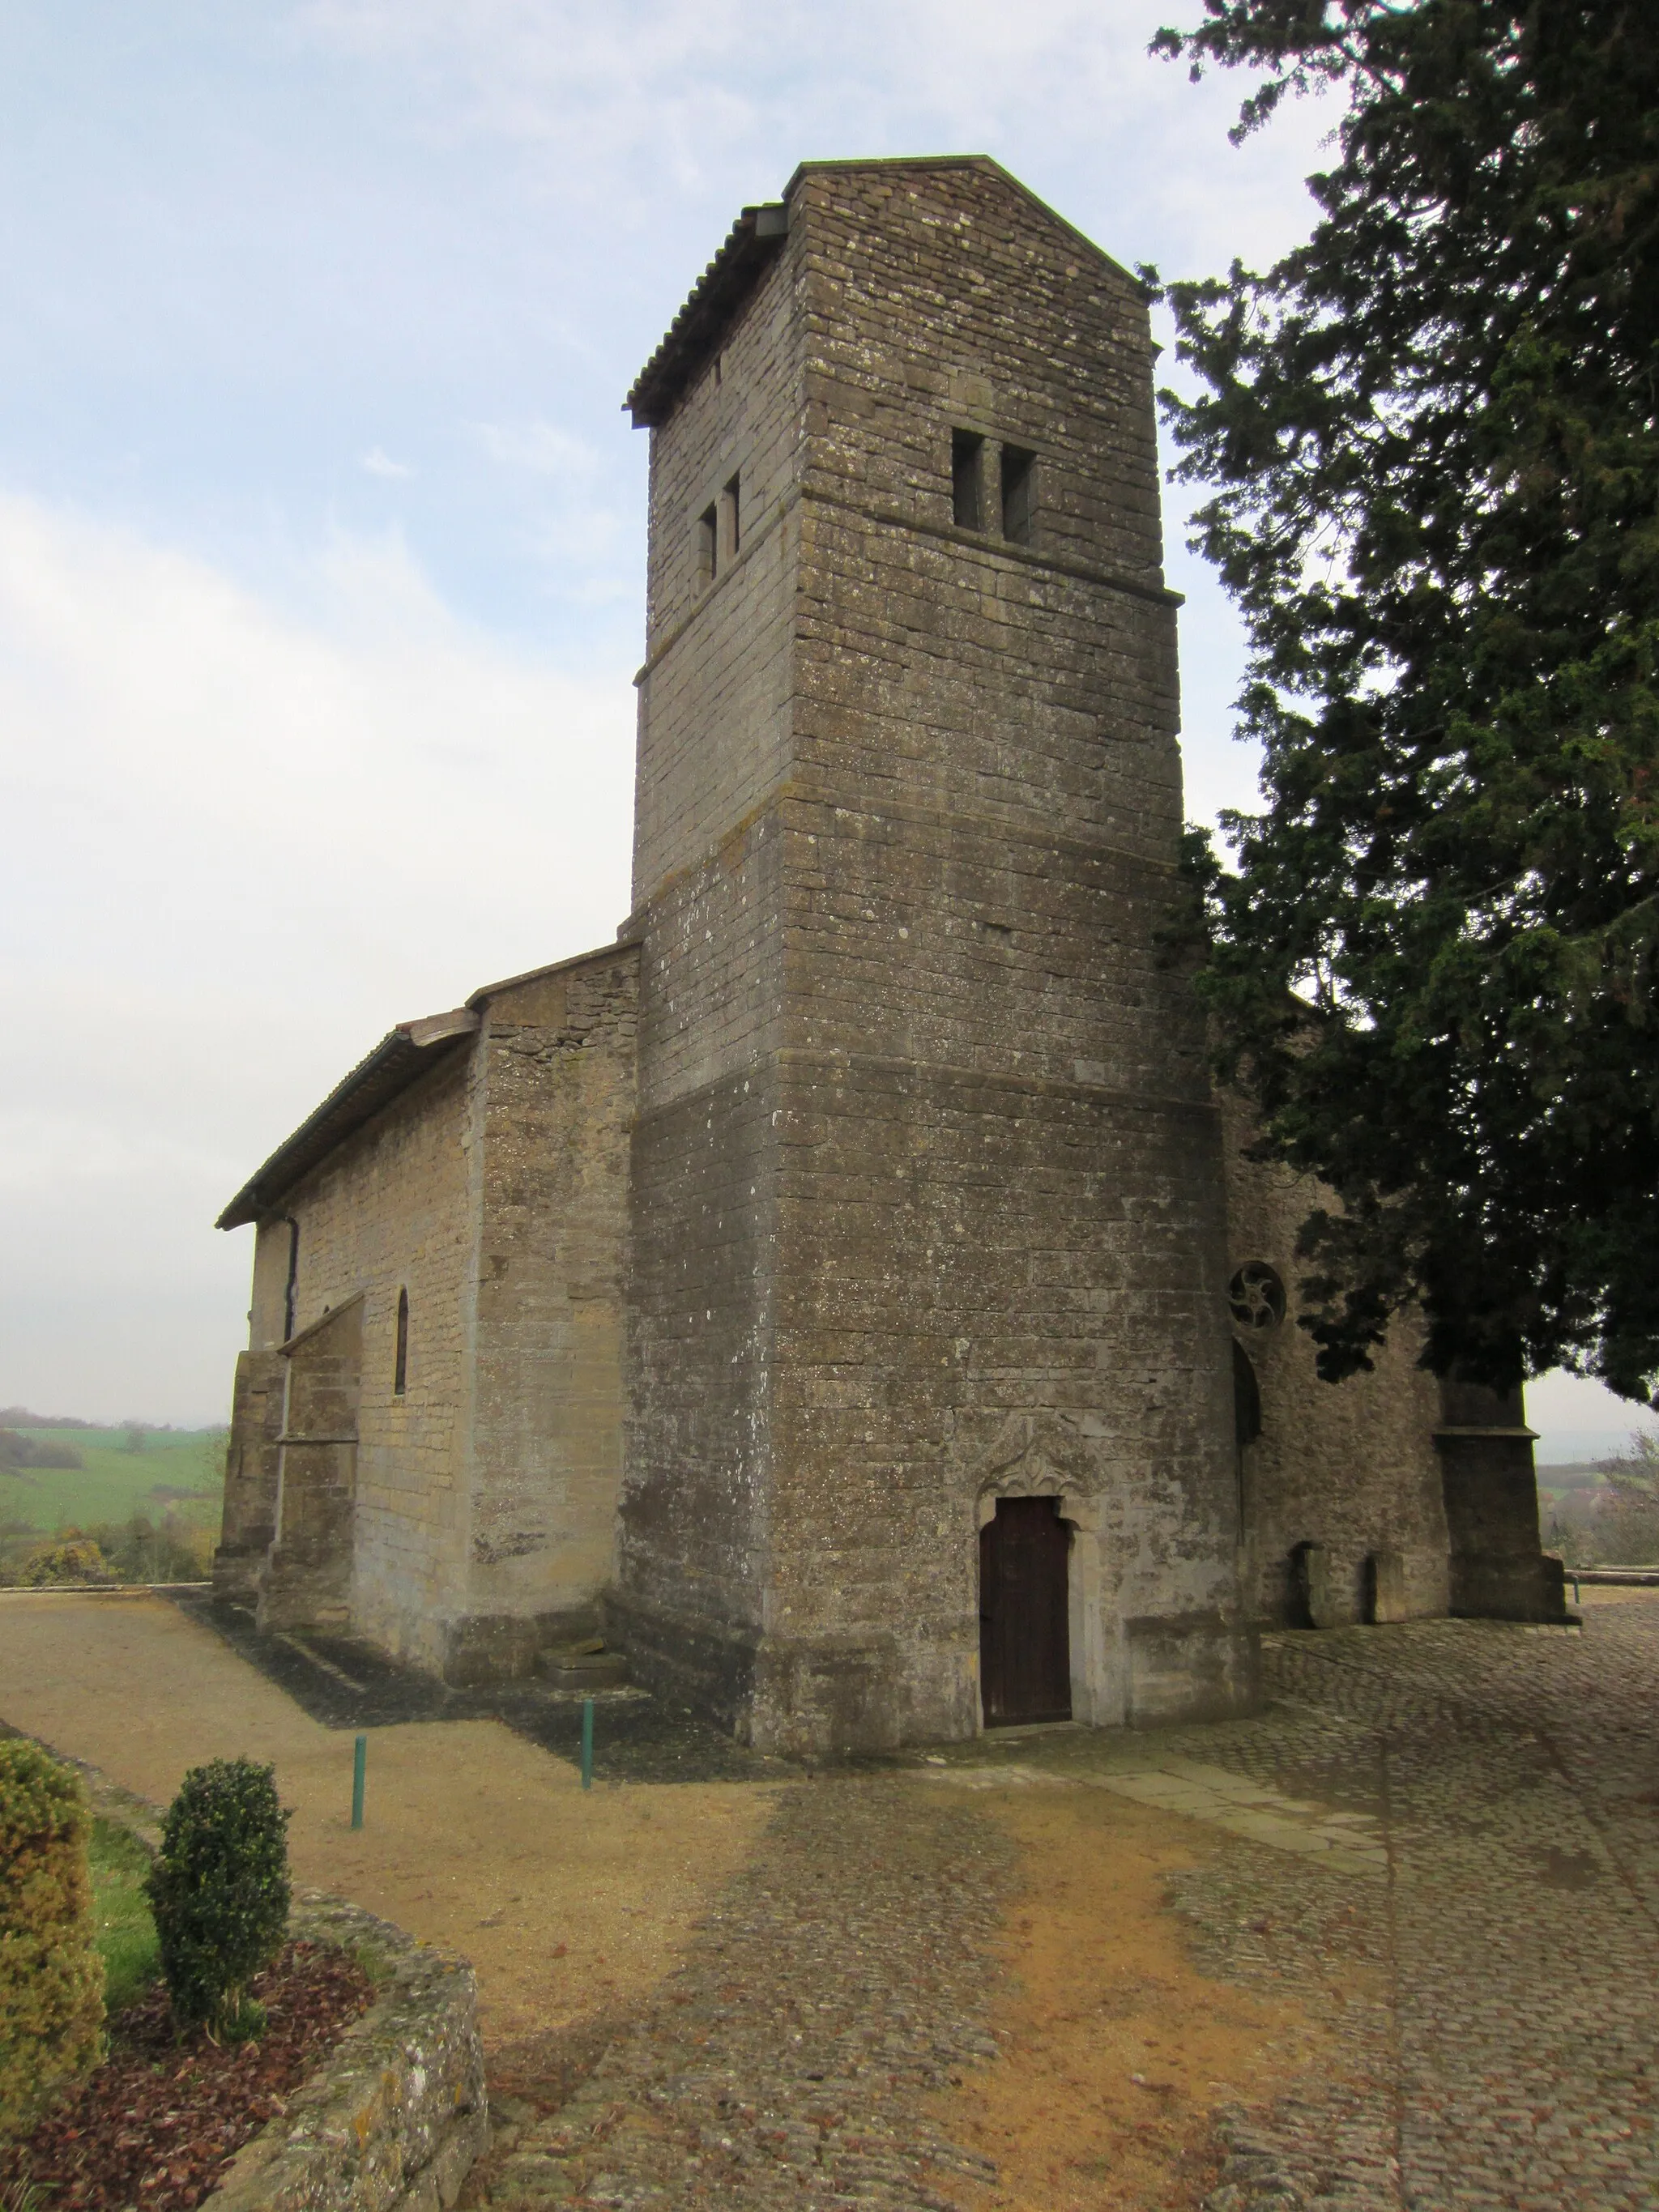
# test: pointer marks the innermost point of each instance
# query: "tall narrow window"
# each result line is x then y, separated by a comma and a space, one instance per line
967, 505
733, 519
708, 544
400, 1364
1018, 494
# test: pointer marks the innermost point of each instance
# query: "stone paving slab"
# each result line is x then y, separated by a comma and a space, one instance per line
788, 2064
1350, 1842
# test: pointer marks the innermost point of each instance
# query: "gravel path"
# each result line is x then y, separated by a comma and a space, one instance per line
789, 2062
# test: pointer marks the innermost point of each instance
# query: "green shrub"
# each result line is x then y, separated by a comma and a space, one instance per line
51, 1979
219, 1890
77, 1560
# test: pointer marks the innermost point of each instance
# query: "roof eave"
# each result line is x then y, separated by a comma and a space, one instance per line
401, 1057
713, 304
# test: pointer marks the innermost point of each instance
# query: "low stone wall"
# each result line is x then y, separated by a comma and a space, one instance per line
395, 2113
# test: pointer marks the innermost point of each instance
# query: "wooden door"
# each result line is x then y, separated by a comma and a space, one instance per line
1025, 1634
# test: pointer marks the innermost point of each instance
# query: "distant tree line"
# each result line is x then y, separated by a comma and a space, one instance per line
20, 1417
17, 1452
1617, 1525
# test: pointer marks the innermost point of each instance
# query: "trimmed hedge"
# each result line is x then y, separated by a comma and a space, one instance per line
219, 1890
51, 1978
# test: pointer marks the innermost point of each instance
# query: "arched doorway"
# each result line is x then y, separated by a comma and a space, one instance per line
1024, 1636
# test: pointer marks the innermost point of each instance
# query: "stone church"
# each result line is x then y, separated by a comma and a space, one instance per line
844, 1291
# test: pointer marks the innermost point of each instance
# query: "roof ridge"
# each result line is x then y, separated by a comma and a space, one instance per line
748, 251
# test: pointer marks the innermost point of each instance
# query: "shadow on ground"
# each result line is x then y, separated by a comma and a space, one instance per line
344, 1684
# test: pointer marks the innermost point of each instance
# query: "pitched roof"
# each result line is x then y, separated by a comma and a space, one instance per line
402, 1056
713, 304
695, 334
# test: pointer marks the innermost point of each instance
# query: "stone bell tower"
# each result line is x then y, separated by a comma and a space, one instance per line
927, 1267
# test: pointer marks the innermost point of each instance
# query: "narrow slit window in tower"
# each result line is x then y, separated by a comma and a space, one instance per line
1018, 494
733, 526
966, 447
708, 544
400, 1362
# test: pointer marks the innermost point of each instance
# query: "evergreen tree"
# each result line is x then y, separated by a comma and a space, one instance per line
1430, 432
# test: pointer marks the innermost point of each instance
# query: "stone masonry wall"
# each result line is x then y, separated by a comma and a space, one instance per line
546, 1461
714, 690
252, 1458
395, 1208
307, 1578
492, 1193
953, 1224
268, 1307
1350, 1467
703, 1205
1014, 1186
715, 724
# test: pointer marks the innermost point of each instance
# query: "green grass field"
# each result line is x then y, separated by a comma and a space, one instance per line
176, 1473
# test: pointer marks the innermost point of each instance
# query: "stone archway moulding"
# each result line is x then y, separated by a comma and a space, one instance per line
1040, 1456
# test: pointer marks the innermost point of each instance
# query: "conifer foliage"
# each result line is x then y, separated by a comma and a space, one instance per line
51, 1979
1432, 434
220, 1893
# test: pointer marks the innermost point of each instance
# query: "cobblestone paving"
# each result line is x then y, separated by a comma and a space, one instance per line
843, 1980
1503, 2029
1488, 1960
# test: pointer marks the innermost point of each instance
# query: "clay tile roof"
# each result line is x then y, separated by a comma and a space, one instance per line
696, 332
401, 1056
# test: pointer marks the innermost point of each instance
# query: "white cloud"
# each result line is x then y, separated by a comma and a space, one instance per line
541, 448
622, 108
1578, 1417
247, 829
241, 841
375, 463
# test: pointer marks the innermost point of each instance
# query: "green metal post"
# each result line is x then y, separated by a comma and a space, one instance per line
587, 1743
359, 1775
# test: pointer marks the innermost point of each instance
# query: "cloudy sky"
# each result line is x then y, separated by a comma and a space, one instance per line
322, 534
